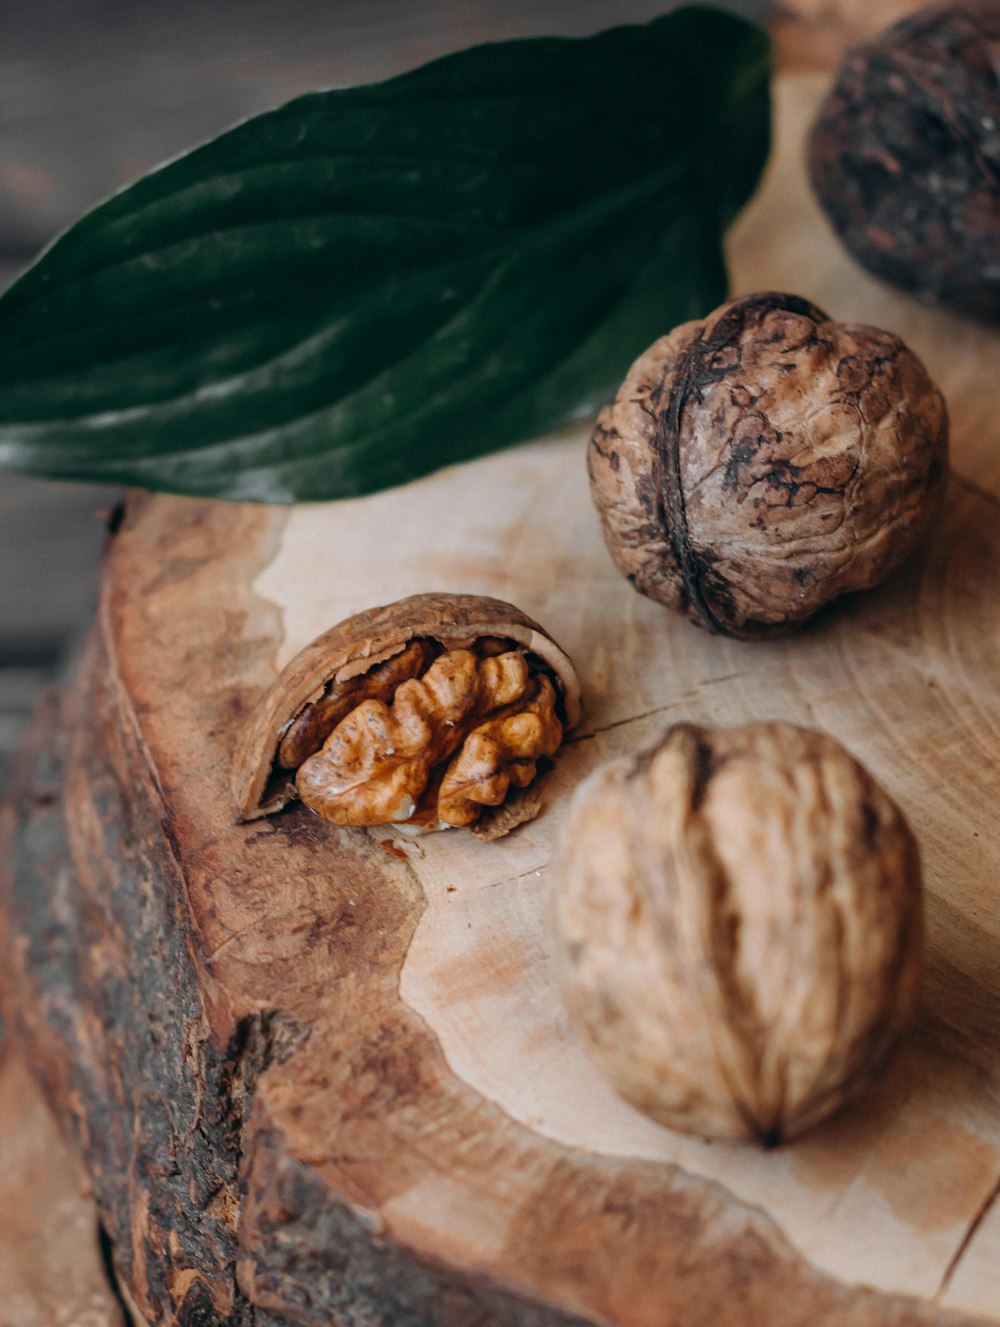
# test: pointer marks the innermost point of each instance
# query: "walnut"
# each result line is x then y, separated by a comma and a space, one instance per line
905, 155
758, 464
739, 915
429, 713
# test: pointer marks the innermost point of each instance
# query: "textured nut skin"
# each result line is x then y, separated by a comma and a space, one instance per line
757, 465
904, 155
364, 659
739, 915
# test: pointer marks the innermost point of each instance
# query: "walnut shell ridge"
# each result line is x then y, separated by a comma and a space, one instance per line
739, 922
356, 646
758, 464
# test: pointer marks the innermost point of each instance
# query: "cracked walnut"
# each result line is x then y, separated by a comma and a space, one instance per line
432, 713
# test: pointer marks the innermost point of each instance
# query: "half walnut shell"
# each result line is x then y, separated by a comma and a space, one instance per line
432, 712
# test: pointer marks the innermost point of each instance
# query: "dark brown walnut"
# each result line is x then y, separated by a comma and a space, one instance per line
739, 915
905, 155
758, 464
430, 713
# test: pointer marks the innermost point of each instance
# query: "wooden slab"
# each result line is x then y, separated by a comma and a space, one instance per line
325, 1074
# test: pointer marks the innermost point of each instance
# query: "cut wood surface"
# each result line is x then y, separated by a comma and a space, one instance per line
324, 1076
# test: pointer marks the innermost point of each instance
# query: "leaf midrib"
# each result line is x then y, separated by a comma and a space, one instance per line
503, 242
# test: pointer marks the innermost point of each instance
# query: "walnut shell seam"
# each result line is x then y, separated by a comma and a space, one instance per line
690, 372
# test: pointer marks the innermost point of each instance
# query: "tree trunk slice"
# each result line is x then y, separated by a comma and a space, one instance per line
322, 1076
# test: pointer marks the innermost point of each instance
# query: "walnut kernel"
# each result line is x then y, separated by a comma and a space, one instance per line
758, 464
739, 915
430, 713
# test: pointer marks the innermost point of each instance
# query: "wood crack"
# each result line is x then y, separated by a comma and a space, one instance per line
648, 714
522, 875
967, 1238
621, 723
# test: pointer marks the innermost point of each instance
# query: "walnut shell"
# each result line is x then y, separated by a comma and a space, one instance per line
904, 155
739, 915
335, 699
758, 464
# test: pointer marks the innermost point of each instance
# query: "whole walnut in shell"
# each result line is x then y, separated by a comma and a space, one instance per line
740, 929
905, 155
758, 464
431, 713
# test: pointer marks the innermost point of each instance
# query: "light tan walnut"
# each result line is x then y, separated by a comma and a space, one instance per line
740, 929
759, 464
430, 713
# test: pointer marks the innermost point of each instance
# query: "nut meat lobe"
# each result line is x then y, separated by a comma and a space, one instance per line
434, 711
485, 721
757, 465
740, 923
313, 726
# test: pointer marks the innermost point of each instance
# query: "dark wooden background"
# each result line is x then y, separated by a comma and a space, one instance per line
92, 94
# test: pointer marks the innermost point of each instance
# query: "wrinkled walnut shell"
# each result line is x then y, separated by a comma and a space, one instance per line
905, 155
740, 929
759, 464
353, 649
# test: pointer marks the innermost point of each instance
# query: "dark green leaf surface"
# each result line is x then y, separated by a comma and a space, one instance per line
369, 283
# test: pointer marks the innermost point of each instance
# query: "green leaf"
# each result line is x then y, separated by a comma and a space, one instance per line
369, 283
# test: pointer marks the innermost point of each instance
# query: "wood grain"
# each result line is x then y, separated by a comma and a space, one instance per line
316, 1081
